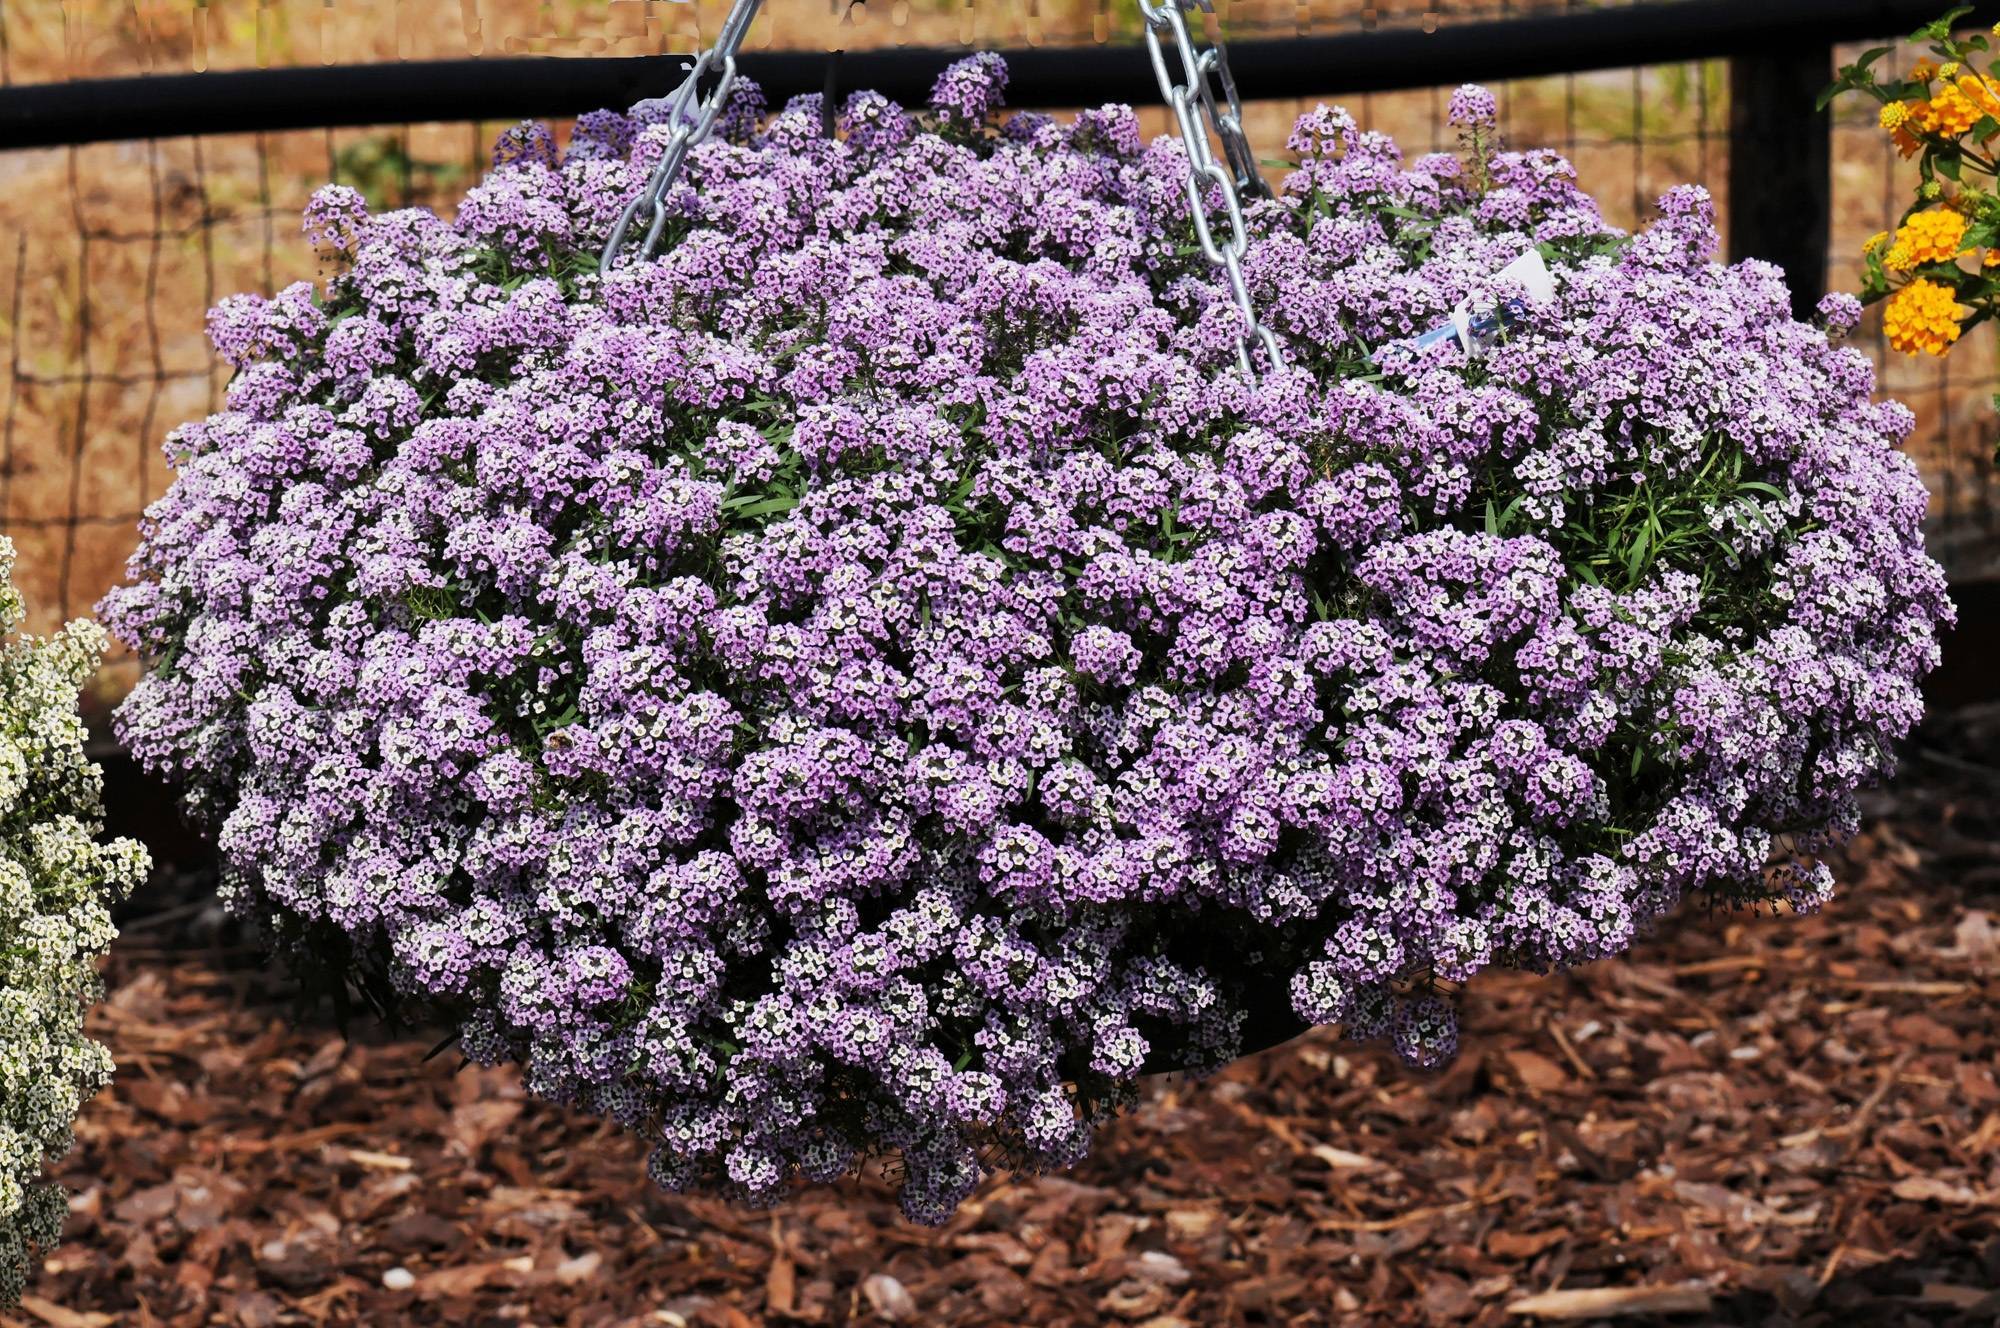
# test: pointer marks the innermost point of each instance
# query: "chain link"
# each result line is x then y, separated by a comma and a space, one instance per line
1196, 111
689, 130
1192, 98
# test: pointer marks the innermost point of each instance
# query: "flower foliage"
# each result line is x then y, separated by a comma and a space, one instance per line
874, 677
57, 884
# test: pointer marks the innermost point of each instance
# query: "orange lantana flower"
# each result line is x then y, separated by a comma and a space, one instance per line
1923, 316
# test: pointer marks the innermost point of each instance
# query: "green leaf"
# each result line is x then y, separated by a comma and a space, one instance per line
768, 507
1636, 558
1869, 57
962, 489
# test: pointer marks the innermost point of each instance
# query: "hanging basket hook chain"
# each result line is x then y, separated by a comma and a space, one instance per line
1196, 112
1192, 98
693, 117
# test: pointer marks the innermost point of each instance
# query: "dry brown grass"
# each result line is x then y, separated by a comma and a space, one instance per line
110, 254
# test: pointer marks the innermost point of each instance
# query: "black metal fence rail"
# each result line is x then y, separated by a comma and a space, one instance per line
166, 106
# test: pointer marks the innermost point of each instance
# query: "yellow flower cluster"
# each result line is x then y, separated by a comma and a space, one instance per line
1948, 110
1916, 120
1959, 104
1923, 316
1929, 237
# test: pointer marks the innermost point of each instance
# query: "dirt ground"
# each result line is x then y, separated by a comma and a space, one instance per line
1752, 1120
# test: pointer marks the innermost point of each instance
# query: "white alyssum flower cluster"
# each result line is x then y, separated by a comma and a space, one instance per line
57, 884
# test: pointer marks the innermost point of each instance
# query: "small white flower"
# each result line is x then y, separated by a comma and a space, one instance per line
57, 885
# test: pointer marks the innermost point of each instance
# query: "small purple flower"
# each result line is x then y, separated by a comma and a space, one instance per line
1106, 655
527, 143
1839, 312
1426, 1031
969, 91
1473, 107
335, 218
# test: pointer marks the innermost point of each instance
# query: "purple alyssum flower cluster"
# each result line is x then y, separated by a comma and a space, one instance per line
875, 678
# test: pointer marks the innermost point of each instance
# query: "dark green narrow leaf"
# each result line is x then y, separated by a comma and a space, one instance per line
769, 507
1636, 559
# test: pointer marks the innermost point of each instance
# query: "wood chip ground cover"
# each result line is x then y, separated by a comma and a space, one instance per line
1751, 1120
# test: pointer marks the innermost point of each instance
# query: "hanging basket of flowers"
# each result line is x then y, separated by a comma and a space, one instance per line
903, 648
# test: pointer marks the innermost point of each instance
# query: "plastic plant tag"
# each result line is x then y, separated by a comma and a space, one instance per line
1476, 333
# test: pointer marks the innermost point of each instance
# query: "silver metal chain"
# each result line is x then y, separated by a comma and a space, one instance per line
1192, 98
690, 128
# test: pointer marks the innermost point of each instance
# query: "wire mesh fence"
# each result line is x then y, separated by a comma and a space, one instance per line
108, 38
110, 254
